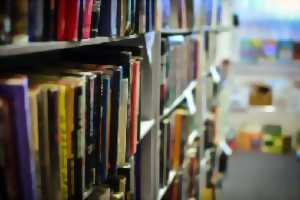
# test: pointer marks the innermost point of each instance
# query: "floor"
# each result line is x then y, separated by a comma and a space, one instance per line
257, 176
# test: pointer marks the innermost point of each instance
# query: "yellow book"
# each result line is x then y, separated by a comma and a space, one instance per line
33, 104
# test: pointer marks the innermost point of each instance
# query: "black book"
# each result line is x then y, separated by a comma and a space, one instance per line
54, 146
78, 130
98, 115
90, 143
95, 18
81, 19
49, 26
114, 121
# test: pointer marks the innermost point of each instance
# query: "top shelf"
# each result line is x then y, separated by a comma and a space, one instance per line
36, 47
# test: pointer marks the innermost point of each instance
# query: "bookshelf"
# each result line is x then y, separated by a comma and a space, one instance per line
137, 85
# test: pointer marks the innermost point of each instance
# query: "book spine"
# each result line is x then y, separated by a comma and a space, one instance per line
5, 22
53, 95
33, 95
98, 115
61, 19
19, 21
71, 32
17, 95
49, 31
44, 148
63, 148
122, 122
89, 134
9, 186
88, 8
114, 122
95, 18
81, 19
78, 141
135, 88
36, 18
103, 166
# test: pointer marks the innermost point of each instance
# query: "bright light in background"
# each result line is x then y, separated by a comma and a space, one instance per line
273, 9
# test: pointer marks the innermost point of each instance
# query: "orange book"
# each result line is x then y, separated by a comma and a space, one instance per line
177, 140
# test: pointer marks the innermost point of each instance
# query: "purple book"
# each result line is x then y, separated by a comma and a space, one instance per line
15, 89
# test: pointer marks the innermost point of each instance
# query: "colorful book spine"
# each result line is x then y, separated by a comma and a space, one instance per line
134, 99
108, 18
72, 17
87, 18
63, 147
61, 19
15, 91
122, 122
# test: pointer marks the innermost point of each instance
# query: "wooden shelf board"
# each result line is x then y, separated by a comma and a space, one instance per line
163, 190
36, 47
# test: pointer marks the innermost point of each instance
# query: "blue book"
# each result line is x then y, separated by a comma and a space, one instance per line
36, 19
108, 18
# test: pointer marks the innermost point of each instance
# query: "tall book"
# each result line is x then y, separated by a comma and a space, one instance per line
8, 166
61, 19
108, 18
95, 18
49, 30
114, 122
15, 90
122, 122
87, 18
5, 22
53, 95
33, 104
105, 101
134, 101
19, 21
72, 17
44, 148
36, 19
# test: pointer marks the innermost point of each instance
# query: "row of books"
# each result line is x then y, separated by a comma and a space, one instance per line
73, 20
175, 152
179, 66
282, 51
190, 14
69, 130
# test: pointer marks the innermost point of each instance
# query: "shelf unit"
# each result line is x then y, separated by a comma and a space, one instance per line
150, 71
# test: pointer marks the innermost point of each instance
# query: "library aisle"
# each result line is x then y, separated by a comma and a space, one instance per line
255, 175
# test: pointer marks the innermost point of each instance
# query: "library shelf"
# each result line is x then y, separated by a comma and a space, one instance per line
217, 29
146, 127
167, 111
38, 47
162, 191
88, 193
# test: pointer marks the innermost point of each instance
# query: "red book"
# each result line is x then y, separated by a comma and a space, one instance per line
61, 20
72, 17
134, 100
87, 18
